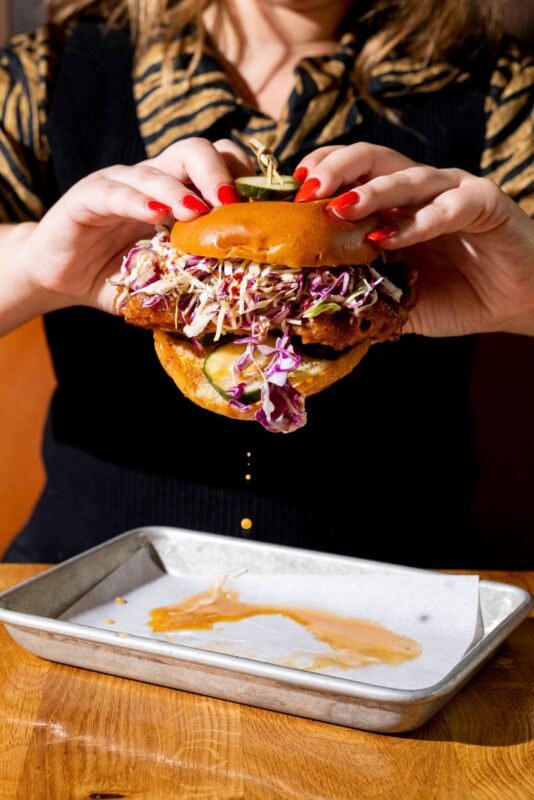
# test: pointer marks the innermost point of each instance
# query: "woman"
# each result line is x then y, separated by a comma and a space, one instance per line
403, 105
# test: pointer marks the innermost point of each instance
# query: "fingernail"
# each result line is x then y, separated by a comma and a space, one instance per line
307, 190
344, 200
382, 233
300, 174
226, 194
161, 208
193, 203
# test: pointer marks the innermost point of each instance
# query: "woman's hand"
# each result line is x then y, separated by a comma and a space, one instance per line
472, 245
66, 258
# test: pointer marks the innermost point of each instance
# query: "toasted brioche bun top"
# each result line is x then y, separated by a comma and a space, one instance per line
279, 233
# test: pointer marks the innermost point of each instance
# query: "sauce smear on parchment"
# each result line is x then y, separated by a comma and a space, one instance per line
352, 642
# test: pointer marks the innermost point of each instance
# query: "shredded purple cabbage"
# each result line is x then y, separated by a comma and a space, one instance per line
233, 295
282, 408
126, 264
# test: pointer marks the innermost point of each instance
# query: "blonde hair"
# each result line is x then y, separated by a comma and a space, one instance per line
424, 31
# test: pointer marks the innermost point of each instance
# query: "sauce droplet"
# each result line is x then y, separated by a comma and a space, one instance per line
246, 524
120, 601
109, 622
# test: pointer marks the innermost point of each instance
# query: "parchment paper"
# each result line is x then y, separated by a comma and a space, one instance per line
439, 611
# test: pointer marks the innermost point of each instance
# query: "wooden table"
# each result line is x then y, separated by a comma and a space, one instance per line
70, 734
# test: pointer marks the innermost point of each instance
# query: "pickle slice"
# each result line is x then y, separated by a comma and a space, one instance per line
257, 187
218, 370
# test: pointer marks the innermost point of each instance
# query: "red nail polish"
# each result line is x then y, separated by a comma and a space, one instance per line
300, 174
193, 203
161, 208
344, 200
226, 194
307, 190
382, 233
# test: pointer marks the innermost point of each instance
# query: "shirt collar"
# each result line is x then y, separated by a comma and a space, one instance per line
323, 106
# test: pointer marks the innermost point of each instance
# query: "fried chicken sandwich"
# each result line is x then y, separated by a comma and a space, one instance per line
255, 306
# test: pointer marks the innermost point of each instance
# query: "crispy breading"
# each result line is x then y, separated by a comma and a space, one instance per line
383, 320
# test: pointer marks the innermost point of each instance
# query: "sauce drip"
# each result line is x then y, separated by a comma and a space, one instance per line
352, 642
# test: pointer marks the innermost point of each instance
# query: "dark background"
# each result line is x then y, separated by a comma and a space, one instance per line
26, 14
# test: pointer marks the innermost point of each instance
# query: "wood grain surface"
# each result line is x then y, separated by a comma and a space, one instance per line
70, 734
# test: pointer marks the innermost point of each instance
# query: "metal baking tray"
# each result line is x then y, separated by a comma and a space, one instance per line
30, 612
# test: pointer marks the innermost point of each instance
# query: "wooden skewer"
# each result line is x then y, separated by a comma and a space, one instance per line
267, 161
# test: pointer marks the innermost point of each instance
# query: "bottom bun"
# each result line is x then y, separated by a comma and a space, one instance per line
184, 363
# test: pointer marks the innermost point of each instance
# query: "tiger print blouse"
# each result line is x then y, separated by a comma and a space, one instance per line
322, 106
